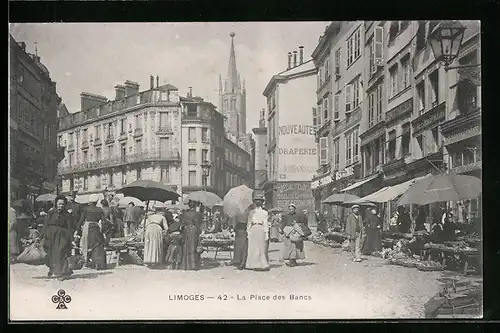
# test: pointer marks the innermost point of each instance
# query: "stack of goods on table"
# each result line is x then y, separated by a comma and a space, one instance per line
322, 239
130, 247
400, 255
219, 239
458, 298
454, 247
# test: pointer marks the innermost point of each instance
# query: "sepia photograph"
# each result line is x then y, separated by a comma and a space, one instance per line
245, 171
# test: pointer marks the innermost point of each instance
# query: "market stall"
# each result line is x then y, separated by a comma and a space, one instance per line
218, 242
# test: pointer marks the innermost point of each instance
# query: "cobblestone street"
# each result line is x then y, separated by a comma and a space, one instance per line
327, 285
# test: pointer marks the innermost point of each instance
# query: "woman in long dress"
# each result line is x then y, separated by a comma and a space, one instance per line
372, 240
173, 256
258, 235
153, 237
275, 225
240, 240
292, 251
92, 241
57, 236
191, 224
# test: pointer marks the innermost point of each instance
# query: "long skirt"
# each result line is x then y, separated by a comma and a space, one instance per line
372, 241
257, 248
293, 250
174, 251
153, 244
94, 244
118, 228
274, 234
190, 256
57, 245
240, 247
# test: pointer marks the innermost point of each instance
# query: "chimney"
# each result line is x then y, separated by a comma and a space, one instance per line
157, 81
301, 55
289, 60
294, 58
120, 92
89, 101
190, 93
131, 88
151, 82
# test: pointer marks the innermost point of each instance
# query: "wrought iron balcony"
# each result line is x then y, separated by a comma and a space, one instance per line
110, 139
172, 156
165, 130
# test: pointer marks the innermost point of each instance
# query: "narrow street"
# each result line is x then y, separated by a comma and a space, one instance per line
327, 285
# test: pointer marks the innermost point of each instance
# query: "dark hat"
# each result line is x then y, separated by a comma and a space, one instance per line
257, 195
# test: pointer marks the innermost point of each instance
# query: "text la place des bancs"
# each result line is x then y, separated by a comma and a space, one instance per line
240, 297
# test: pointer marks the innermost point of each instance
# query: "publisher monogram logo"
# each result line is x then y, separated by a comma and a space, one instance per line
61, 299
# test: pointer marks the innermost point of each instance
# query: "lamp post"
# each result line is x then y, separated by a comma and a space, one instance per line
206, 166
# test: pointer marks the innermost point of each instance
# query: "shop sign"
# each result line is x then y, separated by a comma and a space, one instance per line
325, 180
347, 172
469, 133
429, 118
400, 110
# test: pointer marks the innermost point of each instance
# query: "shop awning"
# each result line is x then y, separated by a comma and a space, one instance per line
358, 184
389, 193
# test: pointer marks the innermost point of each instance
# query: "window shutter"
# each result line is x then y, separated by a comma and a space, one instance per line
315, 117
348, 98
360, 91
323, 150
336, 106
320, 115
379, 46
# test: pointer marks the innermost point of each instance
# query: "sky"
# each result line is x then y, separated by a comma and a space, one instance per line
94, 57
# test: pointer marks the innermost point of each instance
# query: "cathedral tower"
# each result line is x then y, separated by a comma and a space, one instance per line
232, 97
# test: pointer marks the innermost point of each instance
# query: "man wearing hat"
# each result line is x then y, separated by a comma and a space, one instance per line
73, 207
258, 234
354, 228
293, 250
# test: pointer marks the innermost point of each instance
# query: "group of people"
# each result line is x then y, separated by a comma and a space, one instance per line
254, 229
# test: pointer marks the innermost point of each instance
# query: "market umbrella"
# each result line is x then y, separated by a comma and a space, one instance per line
440, 188
208, 199
340, 198
237, 200
146, 190
46, 197
126, 200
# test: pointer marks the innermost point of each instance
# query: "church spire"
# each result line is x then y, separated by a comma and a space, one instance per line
232, 73
220, 84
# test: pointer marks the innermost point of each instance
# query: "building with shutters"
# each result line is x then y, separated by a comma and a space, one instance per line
34, 102
338, 113
291, 149
211, 161
109, 144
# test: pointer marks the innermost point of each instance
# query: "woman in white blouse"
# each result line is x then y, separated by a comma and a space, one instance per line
258, 234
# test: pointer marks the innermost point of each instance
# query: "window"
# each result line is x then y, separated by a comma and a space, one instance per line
85, 135
393, 30
337, 62
85, 183
405, 140
379, 102
123, 151
420, 37
319, 115
336, 153
138, 123
327, 69
355, 144
356, 90
138, 146
368, 158
138, 173
348, 149
70, 139
85, 156
467, 96
98, 181
315, 118
204, 135
405, 73
377, 50
420, 143
348, 98
433, 88
192, 178
323, 151
391, 146
124, 177
192, 156
204, 155
192, 110
353, 47
326, 116
435, 140
165, 175
191, 134
123, 126
98, 132
336, 107
164, 120
98, 154
371, 108
421, 96
111, 180
111, 151
393, 76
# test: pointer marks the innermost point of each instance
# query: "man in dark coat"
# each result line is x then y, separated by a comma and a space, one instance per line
354, 228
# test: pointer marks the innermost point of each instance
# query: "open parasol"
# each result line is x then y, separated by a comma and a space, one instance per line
46, 197
147, 190
208, 199
237, 200
340, 198
126, 200
441, 188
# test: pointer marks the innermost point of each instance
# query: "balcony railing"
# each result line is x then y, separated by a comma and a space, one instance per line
164, 130
123, 136
97, 141
85, 143
137, 132
110, 139
122, 160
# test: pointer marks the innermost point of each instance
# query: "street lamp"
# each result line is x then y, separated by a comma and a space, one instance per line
446, 40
